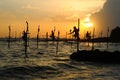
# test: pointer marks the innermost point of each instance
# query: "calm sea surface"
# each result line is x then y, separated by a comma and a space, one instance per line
54, 64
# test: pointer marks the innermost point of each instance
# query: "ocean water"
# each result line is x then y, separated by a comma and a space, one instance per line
52, 65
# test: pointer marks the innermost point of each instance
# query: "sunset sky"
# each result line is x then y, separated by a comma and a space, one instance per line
61, 14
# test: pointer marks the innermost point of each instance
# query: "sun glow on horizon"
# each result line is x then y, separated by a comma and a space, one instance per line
87, 22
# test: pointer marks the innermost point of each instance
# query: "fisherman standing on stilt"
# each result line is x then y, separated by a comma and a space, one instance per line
53, 35
76, 34
25, 38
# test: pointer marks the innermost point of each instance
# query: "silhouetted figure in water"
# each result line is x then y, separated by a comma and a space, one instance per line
88, 35
76, 33
25, 33
24, 37
52, 35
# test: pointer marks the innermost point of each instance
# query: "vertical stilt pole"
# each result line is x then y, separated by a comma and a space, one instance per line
107, 37
66, 37
19, 37
26, 40
54, 34
93, 39
9, 27
38, 36
71, 38
47, 38
57, 42
78, 35
15, 36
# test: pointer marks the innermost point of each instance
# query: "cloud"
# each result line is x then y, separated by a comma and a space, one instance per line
108, 16
64, 17
30, 7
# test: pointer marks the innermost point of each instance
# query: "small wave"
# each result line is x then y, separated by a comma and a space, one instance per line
68, 66
62, 59
26, 72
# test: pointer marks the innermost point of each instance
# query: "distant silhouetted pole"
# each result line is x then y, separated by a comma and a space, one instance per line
71, 37
38, 36
26, 41
66, 36
19, 36
15, 36
9, 27
57, 42
93, 39
78, 35
47, 38
107, 37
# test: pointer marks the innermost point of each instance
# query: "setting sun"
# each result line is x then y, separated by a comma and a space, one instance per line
87, 22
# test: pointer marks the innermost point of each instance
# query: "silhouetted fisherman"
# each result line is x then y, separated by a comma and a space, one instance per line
52, 35
25, 38
88, 37
76, 33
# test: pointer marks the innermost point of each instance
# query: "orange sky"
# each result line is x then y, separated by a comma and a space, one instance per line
62, 14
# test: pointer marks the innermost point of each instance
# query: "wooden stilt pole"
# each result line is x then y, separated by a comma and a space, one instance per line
47, 38
107, 37
38, 36
57, 42
93, 39
26, 39
9, 40
78, 39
